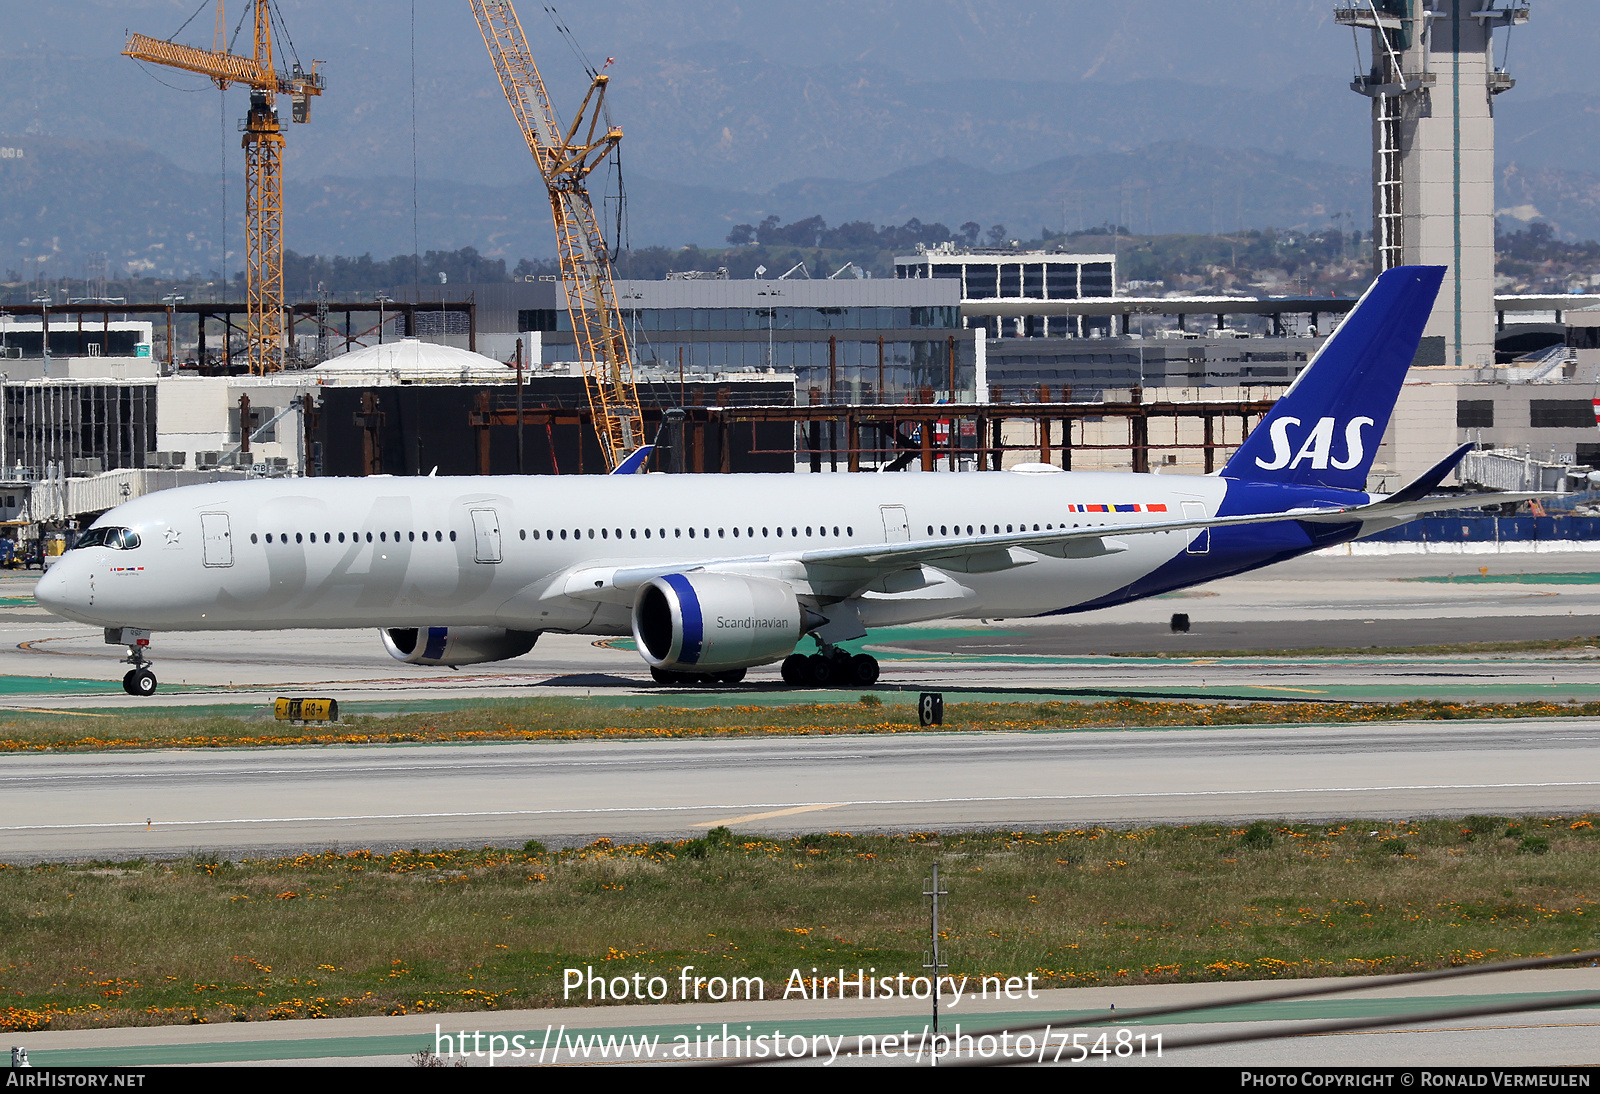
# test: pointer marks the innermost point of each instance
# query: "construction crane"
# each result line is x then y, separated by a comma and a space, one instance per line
263, 158
566, 157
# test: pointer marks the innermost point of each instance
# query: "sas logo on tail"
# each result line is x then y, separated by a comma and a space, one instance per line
1316, 446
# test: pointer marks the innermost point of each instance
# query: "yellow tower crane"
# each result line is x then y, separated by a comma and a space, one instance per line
263, 158
566, 157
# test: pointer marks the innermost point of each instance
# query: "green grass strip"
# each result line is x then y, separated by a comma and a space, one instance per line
352, 932
580, 719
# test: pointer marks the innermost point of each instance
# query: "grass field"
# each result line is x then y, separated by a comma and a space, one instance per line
577, 719
351, 932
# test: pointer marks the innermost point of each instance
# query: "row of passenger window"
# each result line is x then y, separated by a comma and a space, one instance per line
355, 537
702, 533
984, 529
749, 532
552, 534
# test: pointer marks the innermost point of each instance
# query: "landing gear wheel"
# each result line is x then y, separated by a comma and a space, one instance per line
729, 676
794, 669
863, 670
820, 671
662, 676
140, 682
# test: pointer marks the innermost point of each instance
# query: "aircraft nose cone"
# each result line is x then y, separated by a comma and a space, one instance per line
52, 590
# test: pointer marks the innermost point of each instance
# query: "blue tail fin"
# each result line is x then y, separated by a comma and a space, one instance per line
1325, 429
634, 463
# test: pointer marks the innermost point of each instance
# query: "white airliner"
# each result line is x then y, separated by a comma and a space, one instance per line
713, 574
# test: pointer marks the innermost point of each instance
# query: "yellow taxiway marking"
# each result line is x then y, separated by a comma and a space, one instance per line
1307, 691
748, 817
69, 713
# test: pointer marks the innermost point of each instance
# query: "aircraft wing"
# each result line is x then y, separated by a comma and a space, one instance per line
1085, 542
1099, 539
858, 563
963, 554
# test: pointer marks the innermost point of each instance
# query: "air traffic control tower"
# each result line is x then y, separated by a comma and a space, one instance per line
1432, 80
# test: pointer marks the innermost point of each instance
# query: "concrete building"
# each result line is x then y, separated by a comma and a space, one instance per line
78, 350
1432, 80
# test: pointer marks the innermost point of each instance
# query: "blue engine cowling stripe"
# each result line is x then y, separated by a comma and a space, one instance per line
436, 640
693, 627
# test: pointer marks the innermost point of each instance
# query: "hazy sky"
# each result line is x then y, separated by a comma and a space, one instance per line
729, 95
76, 81
796, 90
1236, 42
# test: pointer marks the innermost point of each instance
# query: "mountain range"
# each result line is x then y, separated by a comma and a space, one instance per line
1157, 116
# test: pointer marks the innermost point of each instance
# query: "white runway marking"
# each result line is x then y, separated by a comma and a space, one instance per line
803, 806
769, 815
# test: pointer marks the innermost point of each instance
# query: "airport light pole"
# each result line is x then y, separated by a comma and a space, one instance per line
772, 311
935, 963
519, 407
171, 300
44, 329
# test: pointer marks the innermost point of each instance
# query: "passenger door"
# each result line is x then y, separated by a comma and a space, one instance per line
216, 539
1201, 543
486, 535
895, 528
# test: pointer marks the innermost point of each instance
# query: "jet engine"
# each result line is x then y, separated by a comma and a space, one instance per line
456, 645
705, 622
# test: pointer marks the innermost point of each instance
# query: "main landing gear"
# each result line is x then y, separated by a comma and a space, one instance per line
830, 666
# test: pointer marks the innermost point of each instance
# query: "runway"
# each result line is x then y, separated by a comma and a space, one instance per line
1307, 604
259, 801
251, 802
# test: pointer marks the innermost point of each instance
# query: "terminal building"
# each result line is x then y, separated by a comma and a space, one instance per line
840, 340
1019, 277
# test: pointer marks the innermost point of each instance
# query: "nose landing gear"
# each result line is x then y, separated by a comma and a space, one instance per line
139, 680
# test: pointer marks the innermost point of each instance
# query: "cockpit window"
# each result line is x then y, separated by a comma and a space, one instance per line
120, 539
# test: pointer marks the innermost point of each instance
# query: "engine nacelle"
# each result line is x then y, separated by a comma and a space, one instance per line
456, 645
709, 622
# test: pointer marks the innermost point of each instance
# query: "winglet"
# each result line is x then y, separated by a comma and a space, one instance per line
1419, 487
634, 462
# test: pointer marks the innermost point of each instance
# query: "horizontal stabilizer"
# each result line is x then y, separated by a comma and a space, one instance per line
1395, 512
1427, 482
